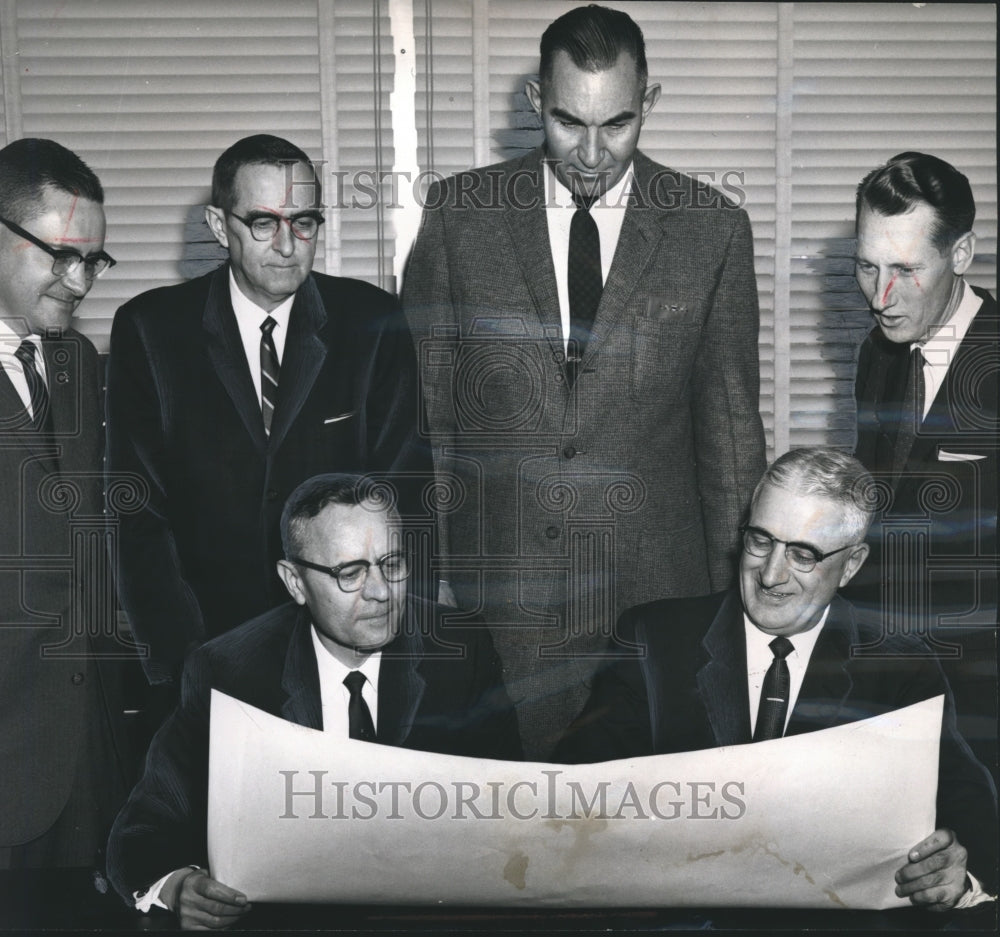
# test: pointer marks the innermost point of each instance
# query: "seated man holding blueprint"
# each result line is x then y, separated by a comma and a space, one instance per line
785, 655
347, 656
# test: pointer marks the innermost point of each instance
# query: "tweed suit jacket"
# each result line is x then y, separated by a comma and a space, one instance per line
687, 691
660, 435
439, 691
184, 425
54, 617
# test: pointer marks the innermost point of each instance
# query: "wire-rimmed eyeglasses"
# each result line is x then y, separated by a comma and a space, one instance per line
65, 260
800, 556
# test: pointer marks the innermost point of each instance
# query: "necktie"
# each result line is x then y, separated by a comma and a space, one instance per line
584, 276
359, 718
269, 368
774, 693
36, 386
911, 411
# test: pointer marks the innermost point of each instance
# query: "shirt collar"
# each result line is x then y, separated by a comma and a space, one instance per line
333, 671
759, 642
246, 308
939, 348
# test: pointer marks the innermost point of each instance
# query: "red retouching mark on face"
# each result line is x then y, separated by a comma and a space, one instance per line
885, 295
69, 219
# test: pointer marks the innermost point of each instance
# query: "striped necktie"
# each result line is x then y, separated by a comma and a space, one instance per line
36, 386
774, 693
269, 369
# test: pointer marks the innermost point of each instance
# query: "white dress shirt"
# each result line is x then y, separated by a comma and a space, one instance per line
608, 213
760, 657
249, 317
9, 343
939, 350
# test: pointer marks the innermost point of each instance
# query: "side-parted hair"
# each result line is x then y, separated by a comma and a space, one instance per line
593, 37
30, 166
260, 149
909, 179
320, 491
821, 470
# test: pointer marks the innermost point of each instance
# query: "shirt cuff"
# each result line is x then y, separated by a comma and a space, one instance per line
974, 895
149, 898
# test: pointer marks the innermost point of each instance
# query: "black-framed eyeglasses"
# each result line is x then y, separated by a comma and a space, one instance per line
65, 260
264, 225
800, 556
352, 576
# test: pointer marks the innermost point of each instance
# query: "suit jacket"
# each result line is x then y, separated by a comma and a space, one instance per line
56, 607
957, 499
575, 502
453, 704
687, 691
199, 545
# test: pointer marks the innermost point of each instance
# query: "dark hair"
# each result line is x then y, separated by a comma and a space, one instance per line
913, 178
593, 37
30, 166
259, 149
316, 493
829, 472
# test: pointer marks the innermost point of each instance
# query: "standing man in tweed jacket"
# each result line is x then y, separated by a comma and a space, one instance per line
586, 324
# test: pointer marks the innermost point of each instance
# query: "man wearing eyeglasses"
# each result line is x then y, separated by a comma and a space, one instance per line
774, 658
61, 770
347, 657
227, 391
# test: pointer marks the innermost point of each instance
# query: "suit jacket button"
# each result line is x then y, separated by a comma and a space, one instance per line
552, 532
77, 679
569, 452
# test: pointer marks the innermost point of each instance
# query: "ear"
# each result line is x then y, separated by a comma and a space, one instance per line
292, 579
649, 100
962, 252
854, 562
533, 89
216, 221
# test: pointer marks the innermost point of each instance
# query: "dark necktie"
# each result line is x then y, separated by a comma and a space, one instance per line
269, 368
359, 717
774, 693
36, 386
584, 276
911, 411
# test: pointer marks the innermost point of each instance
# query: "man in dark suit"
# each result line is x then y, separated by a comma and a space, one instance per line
62, 775
352, 621
591, 375
777, 657
927, 392
227, 391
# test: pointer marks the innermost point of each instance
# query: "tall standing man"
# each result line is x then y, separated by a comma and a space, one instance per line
227, 391
586, 323
62, 776
928, 386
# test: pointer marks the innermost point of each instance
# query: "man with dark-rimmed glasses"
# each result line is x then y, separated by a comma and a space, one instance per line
61, 728
227, 391
347, 657
774, 657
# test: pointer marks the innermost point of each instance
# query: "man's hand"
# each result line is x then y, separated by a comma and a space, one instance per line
934, 877
202, 903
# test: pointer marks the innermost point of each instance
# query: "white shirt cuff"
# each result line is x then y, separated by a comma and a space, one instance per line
150, 897
975, 895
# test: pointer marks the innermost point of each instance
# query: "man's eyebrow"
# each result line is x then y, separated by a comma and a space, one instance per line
790, 543
569, 118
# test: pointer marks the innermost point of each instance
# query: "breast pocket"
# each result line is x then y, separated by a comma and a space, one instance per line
662, 356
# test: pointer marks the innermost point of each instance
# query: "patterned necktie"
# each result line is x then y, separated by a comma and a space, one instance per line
269, 369
359, 717
584, 277
911, 411
36, 386
774, 693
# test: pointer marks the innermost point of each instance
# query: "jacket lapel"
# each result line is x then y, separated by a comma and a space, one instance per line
303, 358
16, 421
300, 678
529, 233
722, 680
400, 684
828, 680
225, 351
